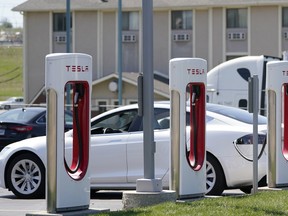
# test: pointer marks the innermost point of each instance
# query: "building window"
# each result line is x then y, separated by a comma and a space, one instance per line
130, 21
132, 101
115, 103
181, 20
59, 22
236, 18
285, 17
101, 105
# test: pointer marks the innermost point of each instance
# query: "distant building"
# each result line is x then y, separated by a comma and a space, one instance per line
213, 30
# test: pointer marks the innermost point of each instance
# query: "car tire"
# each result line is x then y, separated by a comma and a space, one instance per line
7, 107
215, 180
26, 176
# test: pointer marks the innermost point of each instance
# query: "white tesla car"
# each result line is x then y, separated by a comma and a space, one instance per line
116, 153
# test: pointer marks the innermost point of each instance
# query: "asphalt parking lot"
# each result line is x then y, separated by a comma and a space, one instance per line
11, 206
112, 200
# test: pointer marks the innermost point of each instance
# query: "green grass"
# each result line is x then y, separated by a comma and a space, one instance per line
11, 75
263, 203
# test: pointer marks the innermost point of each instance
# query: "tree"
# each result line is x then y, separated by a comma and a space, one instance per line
5, 23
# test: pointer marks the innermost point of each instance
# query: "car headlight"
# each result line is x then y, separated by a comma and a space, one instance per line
248, 139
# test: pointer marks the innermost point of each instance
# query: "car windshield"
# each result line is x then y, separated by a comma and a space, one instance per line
117, 121
18, 115
235, 113
10, 99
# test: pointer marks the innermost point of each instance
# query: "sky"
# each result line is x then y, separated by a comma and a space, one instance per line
5, 12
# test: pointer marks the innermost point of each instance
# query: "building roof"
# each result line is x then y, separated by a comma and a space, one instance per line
160, 87
60, 5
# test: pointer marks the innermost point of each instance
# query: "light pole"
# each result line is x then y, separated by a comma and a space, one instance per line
68, 24
148, 96
119, 52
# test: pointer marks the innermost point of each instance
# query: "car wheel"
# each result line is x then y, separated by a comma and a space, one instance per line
26, 176
215, 181
7, 107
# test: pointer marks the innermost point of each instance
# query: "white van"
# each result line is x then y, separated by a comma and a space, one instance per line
227, 83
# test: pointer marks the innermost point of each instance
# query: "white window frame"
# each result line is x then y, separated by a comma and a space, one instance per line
97, 103
113, 105
131, 101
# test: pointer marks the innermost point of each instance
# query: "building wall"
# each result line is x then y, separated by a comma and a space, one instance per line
264, 29
109, 43
95, 33
216, 50
86, 36
201, 32
161, 41
130, 52
101, 93
37, 39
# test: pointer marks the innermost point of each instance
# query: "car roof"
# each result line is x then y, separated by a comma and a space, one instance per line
18, 110
228, 111
31, 108
38, 109
166, 104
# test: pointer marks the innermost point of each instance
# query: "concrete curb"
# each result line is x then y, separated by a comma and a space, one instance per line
133, 199
70, 213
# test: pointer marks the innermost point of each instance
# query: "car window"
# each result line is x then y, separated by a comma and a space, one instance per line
68, 119
162, 116
41, 119
236, 113
120, 121
161, 120
21, 115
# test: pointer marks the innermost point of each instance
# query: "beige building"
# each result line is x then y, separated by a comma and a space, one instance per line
216, 30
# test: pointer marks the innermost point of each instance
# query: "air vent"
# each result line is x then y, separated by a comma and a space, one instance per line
60, 39
237, 36
181, 37
128, 38
286, 35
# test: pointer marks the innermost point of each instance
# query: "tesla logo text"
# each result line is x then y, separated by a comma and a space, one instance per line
285, 73
77, 68
195, 71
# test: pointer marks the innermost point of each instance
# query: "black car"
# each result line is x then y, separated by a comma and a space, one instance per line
21, 123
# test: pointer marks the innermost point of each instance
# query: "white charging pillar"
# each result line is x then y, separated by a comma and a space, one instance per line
277, 138
187, 77
68, 183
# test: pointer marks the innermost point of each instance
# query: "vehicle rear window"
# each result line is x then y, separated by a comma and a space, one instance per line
18, 115
235, 113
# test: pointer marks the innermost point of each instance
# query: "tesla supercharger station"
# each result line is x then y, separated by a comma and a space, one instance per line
277, 87
68, 80
187, 77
